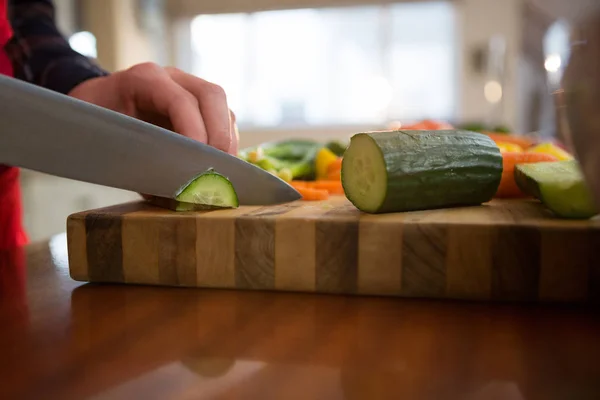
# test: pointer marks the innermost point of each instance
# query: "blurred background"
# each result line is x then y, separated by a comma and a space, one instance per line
322, 68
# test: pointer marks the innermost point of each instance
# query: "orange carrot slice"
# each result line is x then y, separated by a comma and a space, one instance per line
522, 141
299, 184
334, 175
332, 186
308, 191
335, 165
311, 194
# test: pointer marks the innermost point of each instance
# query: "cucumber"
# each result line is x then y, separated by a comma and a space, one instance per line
210, 189
559, 185
395, 171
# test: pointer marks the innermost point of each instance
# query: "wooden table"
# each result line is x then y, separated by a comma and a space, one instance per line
61, 339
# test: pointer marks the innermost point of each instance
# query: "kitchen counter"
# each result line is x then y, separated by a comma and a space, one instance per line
62, 339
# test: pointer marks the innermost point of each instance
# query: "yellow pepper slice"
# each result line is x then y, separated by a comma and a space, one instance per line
324, 158
551, 148
506, 147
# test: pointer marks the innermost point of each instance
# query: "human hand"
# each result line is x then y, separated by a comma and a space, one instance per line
167, 97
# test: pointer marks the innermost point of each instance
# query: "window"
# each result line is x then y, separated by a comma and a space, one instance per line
331, 66
556, 49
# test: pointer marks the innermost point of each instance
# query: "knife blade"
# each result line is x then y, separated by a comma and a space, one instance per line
49, 132
577, 98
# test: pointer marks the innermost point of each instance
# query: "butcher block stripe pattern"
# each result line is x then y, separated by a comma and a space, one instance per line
501, 251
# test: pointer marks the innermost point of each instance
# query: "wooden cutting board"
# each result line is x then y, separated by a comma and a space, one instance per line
504, 250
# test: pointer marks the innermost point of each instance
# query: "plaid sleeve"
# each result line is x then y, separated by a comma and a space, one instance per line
40, 54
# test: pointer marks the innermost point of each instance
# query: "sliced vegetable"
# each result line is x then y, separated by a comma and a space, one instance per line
332, 187
475, 127
551, 148
425, 124
304, 169
297, 155
210, 189
291, 149
511, 159
523, 141
285, 174
299, 184
501, 129
560, 186
255, 156
478, 127
335, 175
506, 147
436, 125
324, 158
400, 170
338, 147
296, 169
309, 193
334, 170
508, 187
268, 164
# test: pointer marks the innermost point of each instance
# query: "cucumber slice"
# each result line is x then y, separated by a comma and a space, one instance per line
209, 189
560, 186
394, 171
175, 205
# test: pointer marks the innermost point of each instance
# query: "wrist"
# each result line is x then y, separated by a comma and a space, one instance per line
92, 90
69, 72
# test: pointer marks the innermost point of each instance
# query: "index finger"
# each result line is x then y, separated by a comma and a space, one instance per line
152, 89
213, 106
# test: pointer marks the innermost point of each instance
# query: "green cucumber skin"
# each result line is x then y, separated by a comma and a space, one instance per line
527, 185
437, 169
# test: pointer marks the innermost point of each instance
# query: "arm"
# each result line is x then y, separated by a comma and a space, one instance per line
191, 106
40, 54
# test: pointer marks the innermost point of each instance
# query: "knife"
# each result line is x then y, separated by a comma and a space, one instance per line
577, 98
49, 132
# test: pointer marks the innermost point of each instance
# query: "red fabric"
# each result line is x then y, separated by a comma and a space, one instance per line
12, 233
5, 35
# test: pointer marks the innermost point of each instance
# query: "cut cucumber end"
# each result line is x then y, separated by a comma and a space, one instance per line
568, 200
364, 173
210, 189
559, 186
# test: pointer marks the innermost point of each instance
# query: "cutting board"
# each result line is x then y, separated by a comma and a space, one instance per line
501, 251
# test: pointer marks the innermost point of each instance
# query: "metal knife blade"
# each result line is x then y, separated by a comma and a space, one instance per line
52, 133
577, 100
